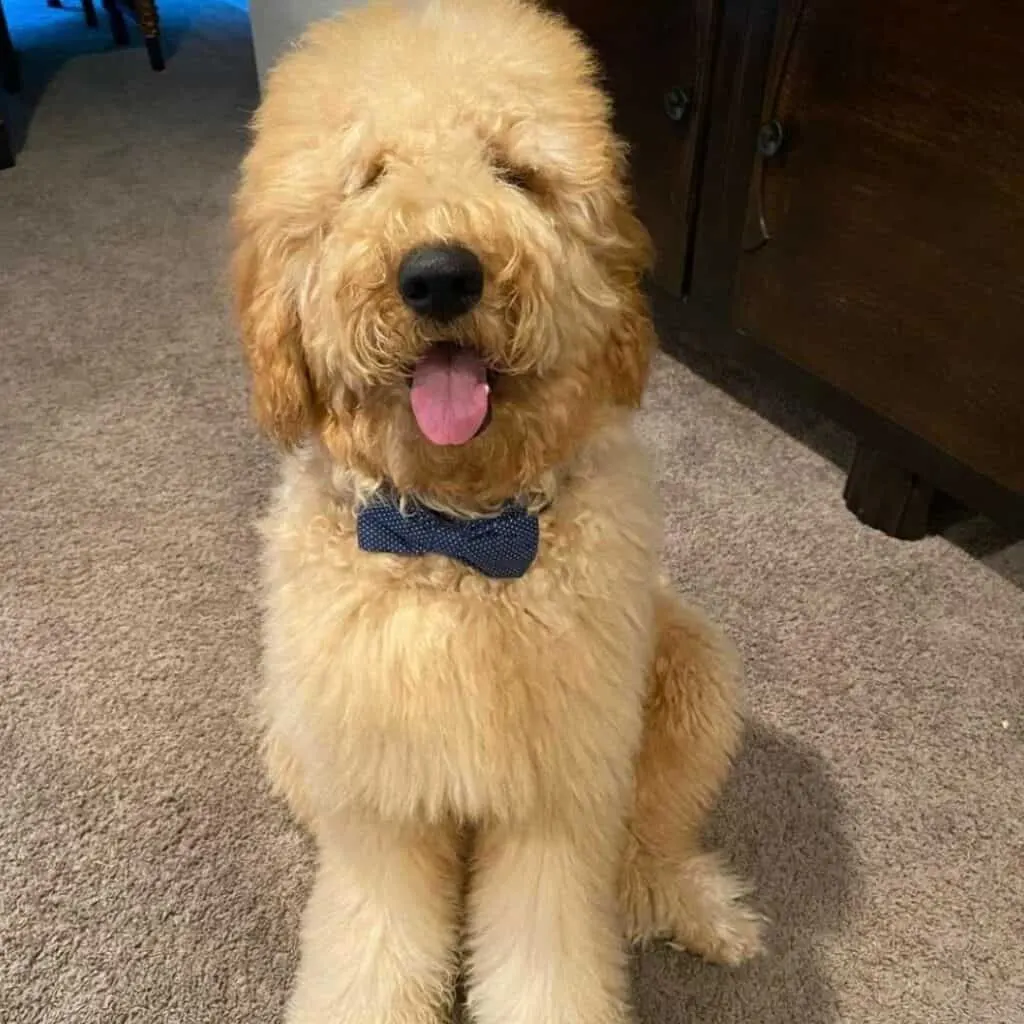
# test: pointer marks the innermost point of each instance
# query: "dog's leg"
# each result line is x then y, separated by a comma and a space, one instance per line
379, 932
671, 888
545, 940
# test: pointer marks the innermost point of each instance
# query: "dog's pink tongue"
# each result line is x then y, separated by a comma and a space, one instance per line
450, 395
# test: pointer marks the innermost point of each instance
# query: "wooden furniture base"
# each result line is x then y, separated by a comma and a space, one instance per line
693, 335
884, 495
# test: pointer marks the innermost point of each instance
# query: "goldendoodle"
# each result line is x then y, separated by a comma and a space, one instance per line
502, 728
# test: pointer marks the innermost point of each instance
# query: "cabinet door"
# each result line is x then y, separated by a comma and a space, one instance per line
884, 242
656, 57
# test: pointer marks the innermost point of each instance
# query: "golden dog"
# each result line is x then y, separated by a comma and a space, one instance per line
438, 276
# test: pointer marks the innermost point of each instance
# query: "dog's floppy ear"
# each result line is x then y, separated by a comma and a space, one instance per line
628, 353
282, 395
632, 340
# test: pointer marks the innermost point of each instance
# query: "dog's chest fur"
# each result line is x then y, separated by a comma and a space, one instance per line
417, 688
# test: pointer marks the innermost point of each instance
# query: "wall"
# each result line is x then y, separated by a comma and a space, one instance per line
276, 23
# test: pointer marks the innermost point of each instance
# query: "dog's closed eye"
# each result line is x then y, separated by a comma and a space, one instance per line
525, 179
373, 175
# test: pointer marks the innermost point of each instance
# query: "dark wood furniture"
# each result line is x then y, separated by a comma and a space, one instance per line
836, 190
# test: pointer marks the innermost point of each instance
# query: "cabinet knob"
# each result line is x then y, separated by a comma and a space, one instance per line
677, 104
770, 139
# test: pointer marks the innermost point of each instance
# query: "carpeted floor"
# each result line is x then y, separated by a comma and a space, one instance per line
144, 873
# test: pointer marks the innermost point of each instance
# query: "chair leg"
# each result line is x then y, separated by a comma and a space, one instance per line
118, 28
10, 66
6, 146
149, 22
89, 7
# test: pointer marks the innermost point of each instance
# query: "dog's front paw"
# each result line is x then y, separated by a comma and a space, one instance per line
730, 934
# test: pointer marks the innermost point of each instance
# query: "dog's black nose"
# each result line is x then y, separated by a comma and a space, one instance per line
441, 281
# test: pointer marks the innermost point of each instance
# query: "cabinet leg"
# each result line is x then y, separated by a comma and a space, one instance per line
884, 495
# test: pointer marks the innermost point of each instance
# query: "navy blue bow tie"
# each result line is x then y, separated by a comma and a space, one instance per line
501, 546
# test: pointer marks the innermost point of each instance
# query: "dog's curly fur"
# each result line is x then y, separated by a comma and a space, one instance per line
519, 769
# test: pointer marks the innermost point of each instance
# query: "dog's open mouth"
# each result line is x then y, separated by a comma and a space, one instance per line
450, 394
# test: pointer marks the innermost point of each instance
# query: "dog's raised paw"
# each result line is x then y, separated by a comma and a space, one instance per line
700, 907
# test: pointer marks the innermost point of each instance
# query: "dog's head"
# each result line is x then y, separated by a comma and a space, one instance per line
437, 266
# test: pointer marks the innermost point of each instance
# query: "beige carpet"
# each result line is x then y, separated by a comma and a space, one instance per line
144, 873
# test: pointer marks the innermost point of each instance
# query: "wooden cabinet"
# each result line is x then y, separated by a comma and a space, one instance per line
884, 247
846, 209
